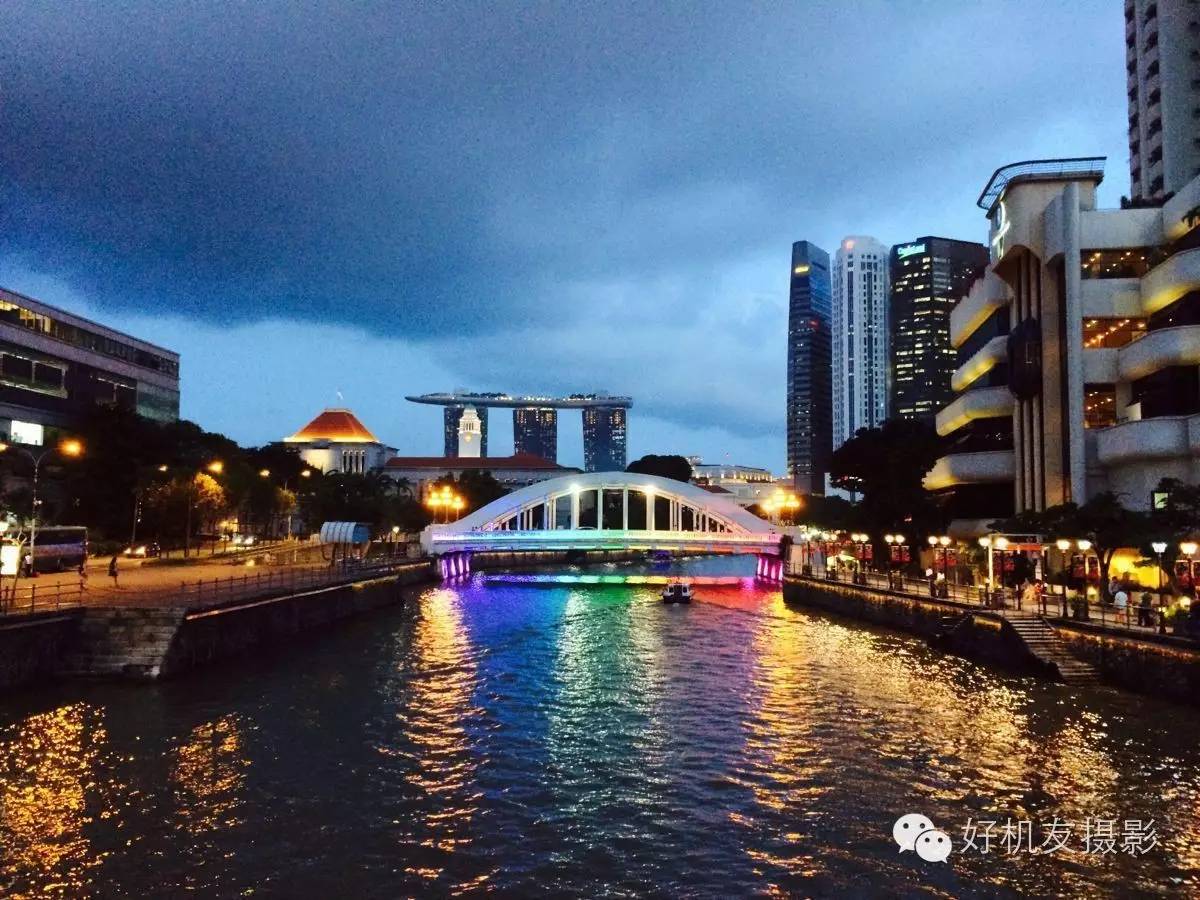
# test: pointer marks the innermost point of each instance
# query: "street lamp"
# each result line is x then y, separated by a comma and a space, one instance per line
69, 448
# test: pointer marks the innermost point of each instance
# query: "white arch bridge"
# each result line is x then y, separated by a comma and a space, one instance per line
606, 511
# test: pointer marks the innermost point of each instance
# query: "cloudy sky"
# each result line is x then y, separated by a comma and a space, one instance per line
382, 199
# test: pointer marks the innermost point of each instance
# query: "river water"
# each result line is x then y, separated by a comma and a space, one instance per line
586, 740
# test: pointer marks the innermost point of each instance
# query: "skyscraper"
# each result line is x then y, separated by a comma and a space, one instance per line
928, 276
451, 414
1162, 64
535, 431
604, 439
860, 337
809, 416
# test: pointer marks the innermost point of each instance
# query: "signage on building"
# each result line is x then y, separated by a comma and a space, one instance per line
905, 250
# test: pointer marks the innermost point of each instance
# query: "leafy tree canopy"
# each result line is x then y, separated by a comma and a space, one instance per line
670, 466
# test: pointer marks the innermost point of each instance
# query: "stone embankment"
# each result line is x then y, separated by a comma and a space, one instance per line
167, 638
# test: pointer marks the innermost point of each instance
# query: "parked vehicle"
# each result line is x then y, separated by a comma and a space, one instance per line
56, 548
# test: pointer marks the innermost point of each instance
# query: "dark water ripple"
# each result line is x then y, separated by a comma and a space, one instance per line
586, 742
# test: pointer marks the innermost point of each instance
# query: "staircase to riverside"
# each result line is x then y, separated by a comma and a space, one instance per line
123, 642
1044, 643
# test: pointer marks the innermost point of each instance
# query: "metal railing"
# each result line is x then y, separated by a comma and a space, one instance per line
1133, 618
32, 598
207, 592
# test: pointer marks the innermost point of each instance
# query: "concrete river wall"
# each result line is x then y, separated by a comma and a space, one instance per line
978, 635
164, 640
1162, 666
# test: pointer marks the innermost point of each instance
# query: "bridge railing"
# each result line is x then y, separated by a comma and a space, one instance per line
591, 537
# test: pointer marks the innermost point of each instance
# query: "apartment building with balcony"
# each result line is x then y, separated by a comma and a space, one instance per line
1162, 65
1079, 349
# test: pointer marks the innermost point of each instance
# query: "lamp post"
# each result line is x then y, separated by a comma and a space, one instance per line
891, 541
69, 448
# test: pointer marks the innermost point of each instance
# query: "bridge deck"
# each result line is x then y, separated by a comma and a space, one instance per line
449, 541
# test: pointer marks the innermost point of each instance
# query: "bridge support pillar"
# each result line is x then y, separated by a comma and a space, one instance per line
454, 565
770, 568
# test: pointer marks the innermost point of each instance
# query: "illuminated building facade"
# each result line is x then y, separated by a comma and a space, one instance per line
809, 373
535, 423
928, 276
604, 438
1162, 65
535, 431
1079, 349
336, 441
860, 336
56, 366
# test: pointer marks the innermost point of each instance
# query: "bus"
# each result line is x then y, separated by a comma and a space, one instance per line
58, 548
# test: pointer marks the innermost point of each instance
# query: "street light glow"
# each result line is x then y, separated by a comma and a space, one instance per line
1188, 548
70, 447
216, 467
1159, 547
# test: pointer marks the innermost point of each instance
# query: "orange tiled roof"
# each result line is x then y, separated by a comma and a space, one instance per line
337, 425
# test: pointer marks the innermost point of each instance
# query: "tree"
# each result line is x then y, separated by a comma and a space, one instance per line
1177, 521
675, 467
1103, 520
184, 501
887, 466
477, 488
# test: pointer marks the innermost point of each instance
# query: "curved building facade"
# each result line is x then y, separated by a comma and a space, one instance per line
1077, 348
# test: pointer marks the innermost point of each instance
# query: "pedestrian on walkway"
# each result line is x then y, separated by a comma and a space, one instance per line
1144, 610
1121, 603
83, 576
112, 571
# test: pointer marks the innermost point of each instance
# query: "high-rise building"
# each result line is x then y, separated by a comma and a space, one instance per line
1162, 63
604, 438
928, 276
860, 337
1079, 350
809, 412
450, 416
470, 434
535, 431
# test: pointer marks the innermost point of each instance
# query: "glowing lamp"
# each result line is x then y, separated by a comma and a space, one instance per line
1188, 548
1063, 544
1159, 547
1085, 546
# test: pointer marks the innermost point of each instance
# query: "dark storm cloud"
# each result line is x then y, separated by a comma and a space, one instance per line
568, 190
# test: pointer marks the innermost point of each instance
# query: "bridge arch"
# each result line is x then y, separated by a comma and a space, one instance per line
607, 510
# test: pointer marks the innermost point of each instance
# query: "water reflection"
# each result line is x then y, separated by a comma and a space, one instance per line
48, 798
581, 740
434, 745
209, 772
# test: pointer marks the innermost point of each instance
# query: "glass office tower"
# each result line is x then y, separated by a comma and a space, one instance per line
604, 439
929, 276
809, 415
535, 431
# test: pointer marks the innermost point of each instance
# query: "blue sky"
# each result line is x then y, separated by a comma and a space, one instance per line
378, 200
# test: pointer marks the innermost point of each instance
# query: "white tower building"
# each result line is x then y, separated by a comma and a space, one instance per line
470, 434
860, 336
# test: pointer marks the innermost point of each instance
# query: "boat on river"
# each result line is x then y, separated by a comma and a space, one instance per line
677, 592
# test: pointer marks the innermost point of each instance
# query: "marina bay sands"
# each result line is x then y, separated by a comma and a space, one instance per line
535, 424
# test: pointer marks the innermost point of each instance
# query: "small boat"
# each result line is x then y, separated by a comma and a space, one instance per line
677, 592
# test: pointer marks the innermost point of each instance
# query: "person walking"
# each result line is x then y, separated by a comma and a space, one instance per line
1144, 610
112, 571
